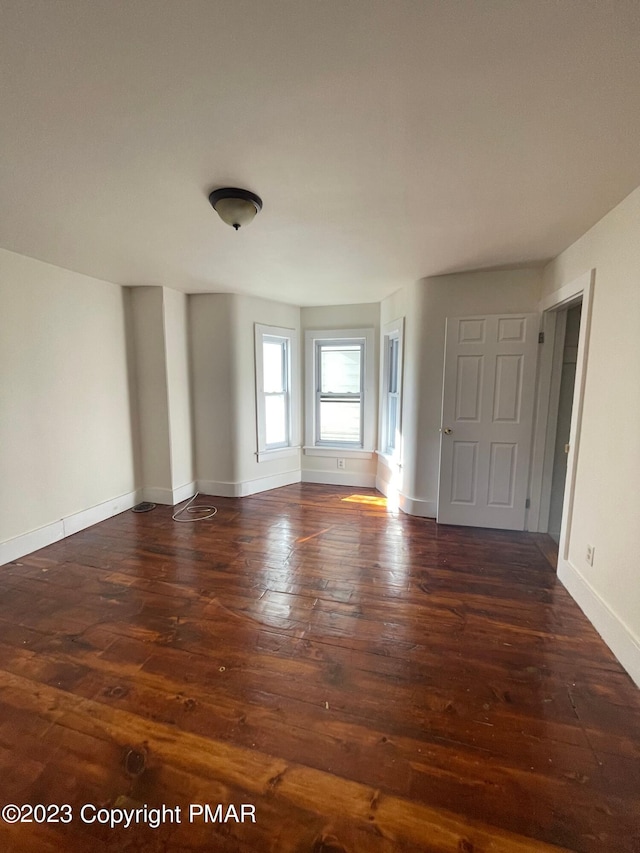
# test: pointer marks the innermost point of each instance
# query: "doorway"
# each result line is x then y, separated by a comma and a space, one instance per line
565, 361
555, 308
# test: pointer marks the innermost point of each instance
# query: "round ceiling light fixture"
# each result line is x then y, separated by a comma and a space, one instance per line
234, 206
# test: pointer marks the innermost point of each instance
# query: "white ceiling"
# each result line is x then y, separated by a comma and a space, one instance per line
389, 140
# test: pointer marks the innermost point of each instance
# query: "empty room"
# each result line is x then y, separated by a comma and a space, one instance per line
319, 417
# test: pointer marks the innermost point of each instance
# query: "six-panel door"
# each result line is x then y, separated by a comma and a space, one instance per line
487, 418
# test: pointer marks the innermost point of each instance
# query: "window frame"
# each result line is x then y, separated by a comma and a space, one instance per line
289, 339
325, 396
314, 339
393, 333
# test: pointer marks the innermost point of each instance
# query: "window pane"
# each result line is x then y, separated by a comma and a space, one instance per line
340, 369
275, 412
340, 420
273, 355
393, 422
393, 365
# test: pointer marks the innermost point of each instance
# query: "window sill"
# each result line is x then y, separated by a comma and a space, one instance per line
338, 452
277, 453
390, 461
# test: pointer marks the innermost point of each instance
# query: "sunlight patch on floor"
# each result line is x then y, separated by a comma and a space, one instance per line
370, 500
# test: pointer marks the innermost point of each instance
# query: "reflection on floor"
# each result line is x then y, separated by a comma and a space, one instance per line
549, 547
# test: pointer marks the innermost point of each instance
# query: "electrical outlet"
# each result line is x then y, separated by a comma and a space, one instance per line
590, 554
341, 463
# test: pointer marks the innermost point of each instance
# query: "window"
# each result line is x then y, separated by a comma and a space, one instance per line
275, 360
339, 369
340, 391
275, 378
391, 389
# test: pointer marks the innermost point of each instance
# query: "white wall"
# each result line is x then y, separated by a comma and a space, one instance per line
224, 395
224, 400
323, 469
214, 406
160, 343
65, 416
248, 312
147, 323
176, 335
607, 497
427, 304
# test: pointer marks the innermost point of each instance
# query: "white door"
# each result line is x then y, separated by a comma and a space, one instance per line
487, 417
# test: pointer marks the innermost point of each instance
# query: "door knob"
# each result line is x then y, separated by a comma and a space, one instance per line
446, 430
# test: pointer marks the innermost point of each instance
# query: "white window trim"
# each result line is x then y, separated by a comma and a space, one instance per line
392, 330
311, 448
277, 453
265, 454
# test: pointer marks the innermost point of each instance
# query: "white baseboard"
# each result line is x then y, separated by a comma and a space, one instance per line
252, 487
183, 492
247, 487
340, 478
410, 506
218, 488
169, 497
79, 520
25, 544
158, 495
263, 484
19, 546
417, 506
624, 645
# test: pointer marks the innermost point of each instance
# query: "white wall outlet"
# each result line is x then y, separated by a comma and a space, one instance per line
341, 463
590, 554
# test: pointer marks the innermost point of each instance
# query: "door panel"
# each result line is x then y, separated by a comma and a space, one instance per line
512, 329
471, 331
508, 389
502, 471
469, 387
487, 415
465, 470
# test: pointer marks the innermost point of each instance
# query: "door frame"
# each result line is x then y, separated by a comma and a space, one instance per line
550, 307
552, 418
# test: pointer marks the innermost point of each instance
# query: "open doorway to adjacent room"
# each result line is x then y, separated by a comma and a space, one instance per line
562, 370
565, 359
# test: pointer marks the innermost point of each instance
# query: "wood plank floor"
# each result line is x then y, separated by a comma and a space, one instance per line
368, 681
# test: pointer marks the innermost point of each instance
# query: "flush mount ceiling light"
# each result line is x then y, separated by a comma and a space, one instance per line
234, 206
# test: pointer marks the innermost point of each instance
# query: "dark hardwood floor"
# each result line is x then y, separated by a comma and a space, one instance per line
368, 681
